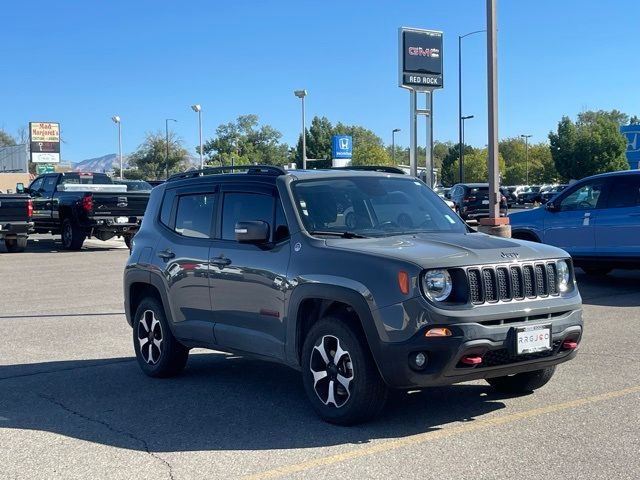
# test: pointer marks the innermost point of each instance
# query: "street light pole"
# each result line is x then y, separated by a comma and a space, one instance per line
462, 119
526, 153
393, 144
166, 129
460, 125
301, 94
198, 108
116, 119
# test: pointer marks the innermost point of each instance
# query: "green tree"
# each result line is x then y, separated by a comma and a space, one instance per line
6, 140
476, 168
245, 142
151, 157
589, 146
590, 117
368, 148
450, 173
539, 164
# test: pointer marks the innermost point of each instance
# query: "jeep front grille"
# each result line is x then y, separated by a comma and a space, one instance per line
490, 284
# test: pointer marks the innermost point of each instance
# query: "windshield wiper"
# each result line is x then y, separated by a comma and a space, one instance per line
337, 234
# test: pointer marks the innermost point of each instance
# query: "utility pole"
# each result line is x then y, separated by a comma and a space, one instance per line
166, 129
526, 153
393, 144
494, 225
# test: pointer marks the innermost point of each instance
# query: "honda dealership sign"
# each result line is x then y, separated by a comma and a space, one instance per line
632, 135
342, 146
44, 139
420, 59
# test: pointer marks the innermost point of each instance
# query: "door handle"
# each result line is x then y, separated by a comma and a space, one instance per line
634, 214
166, 254
221, 261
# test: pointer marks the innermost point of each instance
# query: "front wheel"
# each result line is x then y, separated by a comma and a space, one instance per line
16, 245
340, 375
158, 352
522, 382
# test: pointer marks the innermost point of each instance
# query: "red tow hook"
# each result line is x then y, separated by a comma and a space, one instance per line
569, 345
471, 359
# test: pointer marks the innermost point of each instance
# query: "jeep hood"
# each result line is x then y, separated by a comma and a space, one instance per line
430, 250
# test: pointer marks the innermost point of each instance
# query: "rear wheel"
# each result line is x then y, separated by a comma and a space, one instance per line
340, 375
522, 382
596, 270
16, 245
158, 352
72, 236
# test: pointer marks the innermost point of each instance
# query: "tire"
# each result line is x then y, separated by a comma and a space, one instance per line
365, 393
163, 356
72, 236
127, 240
16, 245
522, 382
596, 271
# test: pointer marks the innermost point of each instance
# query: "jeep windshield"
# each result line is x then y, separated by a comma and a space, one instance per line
356, 207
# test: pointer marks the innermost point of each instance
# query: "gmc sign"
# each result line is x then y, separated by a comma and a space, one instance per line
420, 59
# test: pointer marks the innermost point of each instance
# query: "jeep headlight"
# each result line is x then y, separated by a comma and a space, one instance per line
436, 284
563, 275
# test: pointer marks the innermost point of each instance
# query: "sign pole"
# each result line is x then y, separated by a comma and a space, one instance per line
413, 134
429, 165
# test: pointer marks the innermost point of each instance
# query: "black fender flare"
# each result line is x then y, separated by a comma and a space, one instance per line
527, 232
330, 292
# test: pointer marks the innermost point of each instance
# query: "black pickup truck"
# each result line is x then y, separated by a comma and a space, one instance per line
81, 205
15, 221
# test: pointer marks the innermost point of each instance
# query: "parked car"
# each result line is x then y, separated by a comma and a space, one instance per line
551, 192
15, 221
471, 200
596, 220
530, 195
81, 205
357, 309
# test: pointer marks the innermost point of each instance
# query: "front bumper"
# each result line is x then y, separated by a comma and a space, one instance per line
495, 344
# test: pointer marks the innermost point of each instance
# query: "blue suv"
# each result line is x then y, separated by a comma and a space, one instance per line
596, 220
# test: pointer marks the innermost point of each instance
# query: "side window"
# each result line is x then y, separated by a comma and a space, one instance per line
625, 192
37, 184
584, 197
167, 206
49, 185
242, 207
194, 215
281, 231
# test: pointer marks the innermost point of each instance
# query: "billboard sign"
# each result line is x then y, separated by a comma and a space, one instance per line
420, 59
44, 140
632, 135
342, 146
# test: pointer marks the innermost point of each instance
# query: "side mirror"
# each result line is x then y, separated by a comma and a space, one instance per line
252, 232
551, 206
20, 188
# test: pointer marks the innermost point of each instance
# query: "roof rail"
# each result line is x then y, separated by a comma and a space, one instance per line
372, 168
251, 170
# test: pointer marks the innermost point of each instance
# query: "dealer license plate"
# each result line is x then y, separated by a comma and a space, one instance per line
485, 202
536, 338
122, 219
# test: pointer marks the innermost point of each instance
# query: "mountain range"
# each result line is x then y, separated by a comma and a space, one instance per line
110, 161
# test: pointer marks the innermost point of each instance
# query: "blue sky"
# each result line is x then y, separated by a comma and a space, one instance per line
79, 63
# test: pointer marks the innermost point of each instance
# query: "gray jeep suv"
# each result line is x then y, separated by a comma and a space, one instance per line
334, 273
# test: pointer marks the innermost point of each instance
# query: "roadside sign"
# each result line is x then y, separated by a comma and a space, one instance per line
420, 59
44, 141
632, 134
45, 168
342, 147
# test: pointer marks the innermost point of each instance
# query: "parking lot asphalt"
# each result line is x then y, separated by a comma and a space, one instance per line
73, 403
